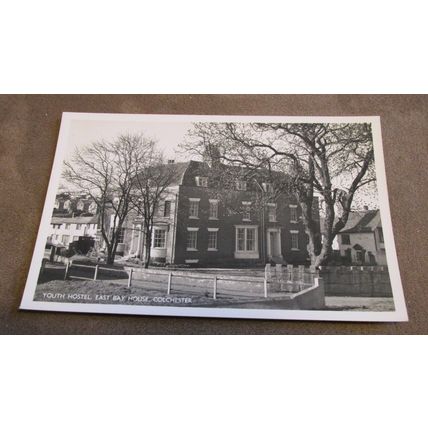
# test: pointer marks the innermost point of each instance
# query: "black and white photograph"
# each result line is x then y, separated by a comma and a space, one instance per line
218, 216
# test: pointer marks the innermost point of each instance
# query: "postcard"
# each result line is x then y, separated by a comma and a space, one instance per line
218, 216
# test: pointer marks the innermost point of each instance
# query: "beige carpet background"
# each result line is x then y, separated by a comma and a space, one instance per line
29, 128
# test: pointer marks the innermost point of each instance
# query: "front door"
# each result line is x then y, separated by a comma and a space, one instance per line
274, 243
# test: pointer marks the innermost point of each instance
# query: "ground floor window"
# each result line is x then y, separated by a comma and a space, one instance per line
65, 239
159, 238
121, 236
245, 239
294, 240
192, 239
346, 239
212, 239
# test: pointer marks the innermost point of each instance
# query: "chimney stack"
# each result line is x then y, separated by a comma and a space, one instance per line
170, 160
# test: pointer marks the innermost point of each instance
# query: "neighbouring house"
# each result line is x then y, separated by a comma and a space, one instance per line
196, 226
63, 204
86, 205
65, 230
361, 241
66, 205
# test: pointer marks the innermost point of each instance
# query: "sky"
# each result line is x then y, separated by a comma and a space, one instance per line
168, 134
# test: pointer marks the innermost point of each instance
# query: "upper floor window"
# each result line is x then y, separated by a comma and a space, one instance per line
246, 216
381, 238
78, 226
272, 212
202, 181
193, 207
213, 214
293, 213
241, 185
346, 239
67, 226
268, 187
167, 209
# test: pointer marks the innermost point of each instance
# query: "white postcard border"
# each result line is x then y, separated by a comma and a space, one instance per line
399, 314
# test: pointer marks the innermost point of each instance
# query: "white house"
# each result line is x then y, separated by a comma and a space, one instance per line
68, 229
361, 240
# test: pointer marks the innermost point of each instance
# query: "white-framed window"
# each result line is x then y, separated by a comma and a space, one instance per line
194, 207
159, 238
202, 181
246, 211
212, 239
272, 212
267, 187
192, 238
78, 226
75, 238
121, 235
167, 208
65, 239
246, 239
381, 238
293, 214
67, 226
241, 185
213, 214
294, 239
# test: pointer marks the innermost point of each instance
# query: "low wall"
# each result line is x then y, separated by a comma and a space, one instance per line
363, 281
311, 298
358, 281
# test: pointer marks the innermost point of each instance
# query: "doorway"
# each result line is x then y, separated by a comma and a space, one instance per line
274, 243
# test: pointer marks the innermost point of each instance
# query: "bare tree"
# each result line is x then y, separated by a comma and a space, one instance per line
330, 160
105, 171
150, 187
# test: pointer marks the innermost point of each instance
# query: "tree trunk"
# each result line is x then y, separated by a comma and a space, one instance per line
148, 248
110, 255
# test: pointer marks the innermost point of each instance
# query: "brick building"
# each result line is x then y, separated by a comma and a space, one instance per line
203, 225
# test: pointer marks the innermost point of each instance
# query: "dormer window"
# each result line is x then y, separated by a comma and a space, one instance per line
202, 181
267, 187
241, 185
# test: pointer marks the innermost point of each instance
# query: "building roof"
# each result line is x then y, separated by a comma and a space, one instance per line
75, 220
362, 221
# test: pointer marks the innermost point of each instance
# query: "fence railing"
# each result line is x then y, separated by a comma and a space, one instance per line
97, 268
212, 279
274, 279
